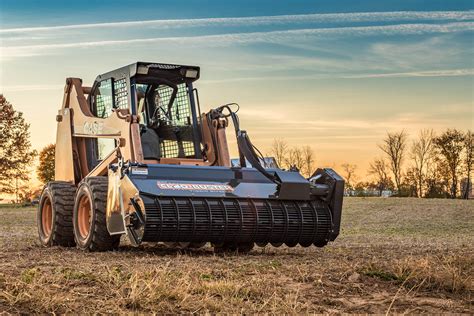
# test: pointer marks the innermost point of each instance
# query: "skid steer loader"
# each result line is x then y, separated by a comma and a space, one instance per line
135, 156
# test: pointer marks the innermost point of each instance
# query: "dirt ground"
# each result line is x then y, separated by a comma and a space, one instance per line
393, 255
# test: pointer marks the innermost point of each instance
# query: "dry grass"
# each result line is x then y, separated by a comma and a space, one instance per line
396, 255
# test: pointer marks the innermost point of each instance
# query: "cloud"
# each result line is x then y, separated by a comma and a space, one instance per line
429, 73
252, 37
266, 20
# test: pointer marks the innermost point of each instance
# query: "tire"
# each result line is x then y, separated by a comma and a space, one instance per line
54, 214
89, 216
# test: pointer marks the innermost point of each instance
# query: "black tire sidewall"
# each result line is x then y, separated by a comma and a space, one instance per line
83, 243
46, 240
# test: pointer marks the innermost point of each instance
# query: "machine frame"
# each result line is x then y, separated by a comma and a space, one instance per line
190, 200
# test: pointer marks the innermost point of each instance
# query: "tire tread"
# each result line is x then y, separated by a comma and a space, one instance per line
62, 194
101, 239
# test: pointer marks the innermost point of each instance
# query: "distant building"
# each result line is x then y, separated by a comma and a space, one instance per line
369, 193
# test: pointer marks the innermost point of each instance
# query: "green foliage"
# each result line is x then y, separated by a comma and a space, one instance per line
15, 148
29, 275
383, 275
206, 277
45, 170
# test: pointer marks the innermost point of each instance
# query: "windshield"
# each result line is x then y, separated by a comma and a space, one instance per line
166, 110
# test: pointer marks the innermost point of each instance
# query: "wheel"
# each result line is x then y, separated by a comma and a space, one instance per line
240, 248
89, 216
54, 215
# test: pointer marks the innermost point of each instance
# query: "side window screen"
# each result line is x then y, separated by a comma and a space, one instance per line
120, 94
103, 99
177, 135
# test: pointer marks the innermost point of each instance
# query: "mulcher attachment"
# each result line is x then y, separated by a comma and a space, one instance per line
238, 221
233, 206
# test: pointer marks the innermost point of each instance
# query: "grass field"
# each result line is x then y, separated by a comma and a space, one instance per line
393, 255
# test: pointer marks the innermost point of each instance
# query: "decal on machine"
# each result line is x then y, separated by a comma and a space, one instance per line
201, 187
93, 128
139, 171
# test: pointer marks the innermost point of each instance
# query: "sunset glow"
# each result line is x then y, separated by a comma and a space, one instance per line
335, 77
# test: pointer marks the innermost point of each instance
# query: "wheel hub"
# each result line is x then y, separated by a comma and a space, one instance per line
84, 216
47, 217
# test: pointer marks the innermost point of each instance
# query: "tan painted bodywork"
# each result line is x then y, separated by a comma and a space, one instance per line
76, 122
119, 207
217, 130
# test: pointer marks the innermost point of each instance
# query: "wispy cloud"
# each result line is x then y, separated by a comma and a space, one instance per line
430, 73
253, 37
267, 20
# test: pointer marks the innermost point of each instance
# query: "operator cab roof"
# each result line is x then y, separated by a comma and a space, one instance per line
149, 72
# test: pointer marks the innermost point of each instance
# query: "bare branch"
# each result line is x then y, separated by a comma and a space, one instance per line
394, 146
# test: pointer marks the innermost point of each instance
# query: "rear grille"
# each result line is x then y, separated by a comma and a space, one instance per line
177, 219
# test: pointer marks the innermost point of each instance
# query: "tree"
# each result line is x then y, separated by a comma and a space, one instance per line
45, 170
410, 183
301, 158
422, 154
379, 169
394, 145
308, 161
279, 150
15, 148
349, 175
361, 188
450, 145
468, 161
437, 180
295, 158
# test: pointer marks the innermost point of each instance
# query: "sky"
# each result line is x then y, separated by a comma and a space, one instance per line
334, 75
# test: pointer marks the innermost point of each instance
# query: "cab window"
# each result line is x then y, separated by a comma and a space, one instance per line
102, 99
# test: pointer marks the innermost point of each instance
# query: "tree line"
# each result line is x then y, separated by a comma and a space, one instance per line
432, 165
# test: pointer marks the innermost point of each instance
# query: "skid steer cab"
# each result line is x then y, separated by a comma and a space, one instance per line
135, 156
